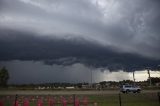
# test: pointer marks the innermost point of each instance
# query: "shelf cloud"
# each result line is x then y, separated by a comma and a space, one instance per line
112, 34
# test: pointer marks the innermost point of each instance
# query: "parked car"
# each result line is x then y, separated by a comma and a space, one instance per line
130, 88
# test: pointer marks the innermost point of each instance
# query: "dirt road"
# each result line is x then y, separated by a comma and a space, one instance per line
50, 92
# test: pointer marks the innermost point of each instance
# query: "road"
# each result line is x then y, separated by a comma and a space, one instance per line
70, 92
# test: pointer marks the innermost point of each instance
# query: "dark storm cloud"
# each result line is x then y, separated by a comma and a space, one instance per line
104, 33
26, 46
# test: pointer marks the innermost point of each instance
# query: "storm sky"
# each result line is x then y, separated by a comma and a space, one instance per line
100, 34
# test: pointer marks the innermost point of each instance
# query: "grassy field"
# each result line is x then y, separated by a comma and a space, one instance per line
131, 99
149, 99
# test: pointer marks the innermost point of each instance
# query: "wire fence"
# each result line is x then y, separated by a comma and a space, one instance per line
131, 99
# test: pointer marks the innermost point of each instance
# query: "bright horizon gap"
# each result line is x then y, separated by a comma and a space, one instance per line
26, 72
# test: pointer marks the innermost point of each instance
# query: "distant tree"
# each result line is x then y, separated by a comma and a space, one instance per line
126, 82
4, 76
103, 84
154, 80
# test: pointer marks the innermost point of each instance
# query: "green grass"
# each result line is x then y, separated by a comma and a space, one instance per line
131, 99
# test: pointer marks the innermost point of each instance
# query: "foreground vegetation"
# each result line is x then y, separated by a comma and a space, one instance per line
131, 99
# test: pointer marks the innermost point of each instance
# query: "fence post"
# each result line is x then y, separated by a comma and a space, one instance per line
74, 98
120, 102
158, 97
15, 102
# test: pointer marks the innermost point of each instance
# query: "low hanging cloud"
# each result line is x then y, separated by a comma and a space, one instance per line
37, 72
102, 33
67, 52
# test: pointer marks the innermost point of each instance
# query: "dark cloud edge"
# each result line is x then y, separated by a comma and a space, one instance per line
22, 45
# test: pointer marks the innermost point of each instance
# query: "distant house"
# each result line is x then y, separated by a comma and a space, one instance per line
98, 86
85, 86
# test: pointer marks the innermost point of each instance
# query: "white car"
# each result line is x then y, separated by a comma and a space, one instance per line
130, 88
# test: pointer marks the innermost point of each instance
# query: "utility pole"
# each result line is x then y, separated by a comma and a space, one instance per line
134, 78
150, 82
91, 78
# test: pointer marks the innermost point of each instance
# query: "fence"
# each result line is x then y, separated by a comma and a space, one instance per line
43, 100
141, 99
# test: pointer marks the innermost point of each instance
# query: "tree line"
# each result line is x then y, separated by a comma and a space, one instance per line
4, 77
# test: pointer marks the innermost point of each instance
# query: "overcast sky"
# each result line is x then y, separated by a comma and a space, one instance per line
109, 34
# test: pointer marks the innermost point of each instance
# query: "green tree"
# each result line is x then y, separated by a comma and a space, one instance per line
154, 80
4, 76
